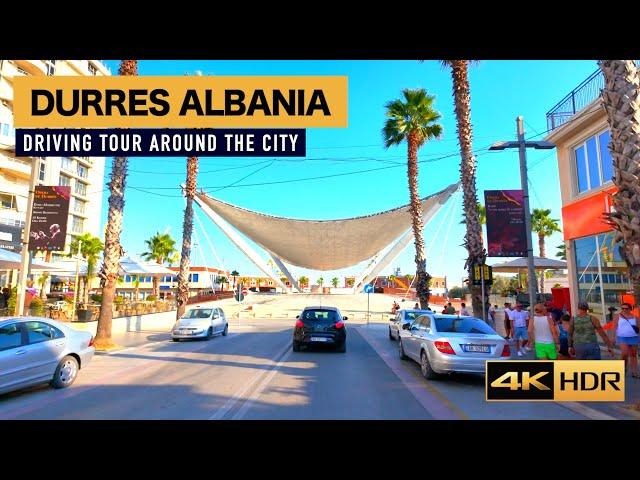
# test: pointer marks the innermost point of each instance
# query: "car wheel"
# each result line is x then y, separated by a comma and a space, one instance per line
391, 335
226, 330
175, 339
425, 367
296, 346
66, 372
209, 334
342, 348
403, 356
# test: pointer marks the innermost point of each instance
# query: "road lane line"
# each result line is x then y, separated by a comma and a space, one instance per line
590, 413
229, 404
434, 402
258, 391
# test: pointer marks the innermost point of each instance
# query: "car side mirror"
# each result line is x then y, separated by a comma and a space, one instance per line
406, 326
345, 318
392, 319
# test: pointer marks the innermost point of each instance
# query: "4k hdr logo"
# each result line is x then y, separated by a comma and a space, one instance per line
568, 380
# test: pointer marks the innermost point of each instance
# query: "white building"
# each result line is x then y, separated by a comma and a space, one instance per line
85, 175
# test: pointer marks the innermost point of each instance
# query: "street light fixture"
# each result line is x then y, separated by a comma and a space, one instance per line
522, 146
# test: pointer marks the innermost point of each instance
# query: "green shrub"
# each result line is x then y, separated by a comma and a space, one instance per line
37, 306
96, 298
68, 299
13, 299
151, 298
119, 300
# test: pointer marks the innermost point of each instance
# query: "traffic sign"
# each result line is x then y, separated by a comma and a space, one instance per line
477, 274
368, 288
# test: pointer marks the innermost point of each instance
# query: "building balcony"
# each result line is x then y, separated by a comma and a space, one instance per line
580, 97
15, 166
32, 67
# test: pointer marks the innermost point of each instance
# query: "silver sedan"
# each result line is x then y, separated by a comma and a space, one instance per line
36, 350
200, 322
450, 343
401, 318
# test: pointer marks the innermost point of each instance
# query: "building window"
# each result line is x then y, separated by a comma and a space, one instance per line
82, 171
7, 130
79, 205
42, 170
64, 181
92, 69
81, 188
8, 201
51, 67
601, 273
77, 224
594, 165
67, 164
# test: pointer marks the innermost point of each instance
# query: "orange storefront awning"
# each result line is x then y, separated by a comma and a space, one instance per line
586, 216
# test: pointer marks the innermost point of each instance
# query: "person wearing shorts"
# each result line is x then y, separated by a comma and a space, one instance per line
507, 320
583, 343
563, 333
519, 319
544, 334
627, 337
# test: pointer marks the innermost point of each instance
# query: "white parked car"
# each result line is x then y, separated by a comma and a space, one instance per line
37, 350
200, 322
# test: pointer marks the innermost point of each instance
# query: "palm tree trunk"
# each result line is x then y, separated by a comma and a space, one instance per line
541, 246
415, 207
112, 249
473, 238
621, 97
87, 284
156, 286
187, 228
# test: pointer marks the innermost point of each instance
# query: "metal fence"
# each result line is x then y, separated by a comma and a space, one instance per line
576, 100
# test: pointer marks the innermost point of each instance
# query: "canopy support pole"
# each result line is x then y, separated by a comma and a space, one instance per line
286, 272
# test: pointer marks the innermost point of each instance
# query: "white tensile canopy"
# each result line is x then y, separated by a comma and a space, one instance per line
13, 261
323, 244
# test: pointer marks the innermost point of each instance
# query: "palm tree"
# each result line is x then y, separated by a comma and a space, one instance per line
187, 228
234, 274
113, 251
161, 247
222, 281
42, 281
303, 281
621, 99
544, 226
90, 249
473, 239
482, 218
350, 282
562, 251
173, 258
413, 120
320, 281
334, 282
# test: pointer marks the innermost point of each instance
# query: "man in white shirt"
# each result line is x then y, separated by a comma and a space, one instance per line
519, 319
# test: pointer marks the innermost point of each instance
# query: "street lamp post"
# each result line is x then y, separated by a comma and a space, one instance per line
522, 146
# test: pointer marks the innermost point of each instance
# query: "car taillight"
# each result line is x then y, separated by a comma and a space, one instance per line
339, 325
91, 342
507, 351
299, 324
445, 347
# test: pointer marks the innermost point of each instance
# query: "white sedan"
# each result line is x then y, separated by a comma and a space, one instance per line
37, 350
200, 322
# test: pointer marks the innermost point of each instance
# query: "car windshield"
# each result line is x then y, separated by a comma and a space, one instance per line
198, 313
463, 325
320, 315
413, 315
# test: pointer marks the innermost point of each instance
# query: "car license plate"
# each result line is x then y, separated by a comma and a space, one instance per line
185, 332
319, 339
476, 348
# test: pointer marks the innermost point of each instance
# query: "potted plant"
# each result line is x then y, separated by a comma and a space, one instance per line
84, 313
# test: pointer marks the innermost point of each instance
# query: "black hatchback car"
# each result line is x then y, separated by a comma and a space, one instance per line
320, 326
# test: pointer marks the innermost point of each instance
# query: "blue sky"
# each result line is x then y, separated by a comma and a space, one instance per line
500, 90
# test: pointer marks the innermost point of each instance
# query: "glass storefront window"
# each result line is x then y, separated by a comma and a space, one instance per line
602, 274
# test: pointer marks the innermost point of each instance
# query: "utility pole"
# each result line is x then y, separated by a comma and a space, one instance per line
26, 232
524, 180
522, 146
75, 287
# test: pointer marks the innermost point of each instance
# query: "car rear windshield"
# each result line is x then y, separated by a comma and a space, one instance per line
198, 313
320, 315
463, 325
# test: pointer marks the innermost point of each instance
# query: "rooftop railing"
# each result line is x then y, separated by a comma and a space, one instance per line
576, 100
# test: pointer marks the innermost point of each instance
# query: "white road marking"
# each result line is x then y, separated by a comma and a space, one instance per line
256, 394
590, 413
229, 404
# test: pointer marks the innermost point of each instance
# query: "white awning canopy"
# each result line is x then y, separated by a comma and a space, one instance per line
323, 244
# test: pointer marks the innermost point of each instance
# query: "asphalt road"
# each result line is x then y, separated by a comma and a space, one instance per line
253, 374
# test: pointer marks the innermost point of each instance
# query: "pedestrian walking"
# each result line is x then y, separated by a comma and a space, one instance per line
492, 316
519, 319
583, 344
543, 334
507, 320
464, 310
416, 306
626, 325
563, 333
